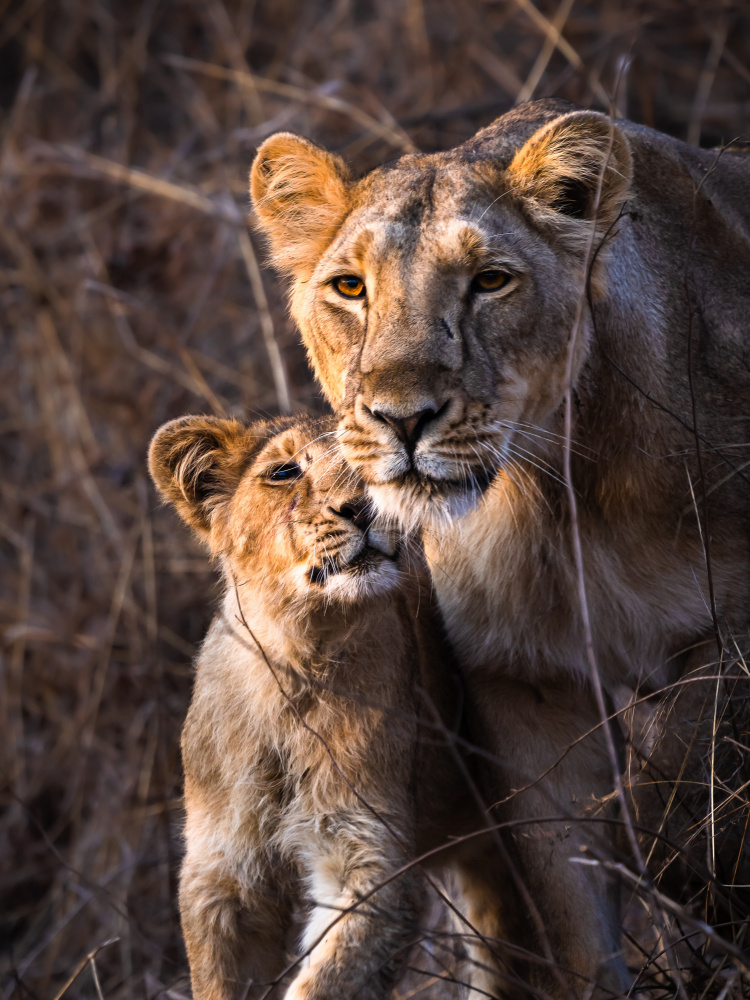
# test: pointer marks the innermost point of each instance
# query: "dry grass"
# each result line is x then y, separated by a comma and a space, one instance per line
130, 293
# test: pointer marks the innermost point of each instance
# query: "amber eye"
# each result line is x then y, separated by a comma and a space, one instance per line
284, 473
490, 281
350, 286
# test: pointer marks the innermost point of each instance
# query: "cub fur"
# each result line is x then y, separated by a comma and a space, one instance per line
438, 304
317, 750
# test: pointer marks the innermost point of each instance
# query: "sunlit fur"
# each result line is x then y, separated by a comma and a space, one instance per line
318, 749
659, 371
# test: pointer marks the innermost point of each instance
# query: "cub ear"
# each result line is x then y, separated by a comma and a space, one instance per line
558, 171
196, 463
300, 194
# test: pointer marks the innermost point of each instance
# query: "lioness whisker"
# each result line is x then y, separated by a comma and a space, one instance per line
318, 438
544, 434
524, 457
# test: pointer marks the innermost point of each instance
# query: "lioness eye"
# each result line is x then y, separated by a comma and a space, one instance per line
490, 281
350, 286
284, 473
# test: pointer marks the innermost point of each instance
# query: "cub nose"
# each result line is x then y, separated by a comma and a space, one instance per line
408, 429
359, 511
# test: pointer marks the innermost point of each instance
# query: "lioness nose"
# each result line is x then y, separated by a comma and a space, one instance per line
360, 511
408, 429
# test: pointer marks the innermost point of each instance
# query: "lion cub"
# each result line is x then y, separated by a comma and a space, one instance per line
311, 747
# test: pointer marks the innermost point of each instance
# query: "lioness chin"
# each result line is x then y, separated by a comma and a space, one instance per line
319, 748
449, 303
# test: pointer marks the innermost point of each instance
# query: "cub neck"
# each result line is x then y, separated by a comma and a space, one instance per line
307, 634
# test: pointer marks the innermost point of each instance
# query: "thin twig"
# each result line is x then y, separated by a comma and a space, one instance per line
89, 959
266, 322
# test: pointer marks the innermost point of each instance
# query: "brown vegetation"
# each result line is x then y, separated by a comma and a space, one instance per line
131, 293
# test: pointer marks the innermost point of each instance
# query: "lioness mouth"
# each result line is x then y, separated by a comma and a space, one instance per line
478, 481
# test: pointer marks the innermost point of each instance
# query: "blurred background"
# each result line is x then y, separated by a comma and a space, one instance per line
131, 291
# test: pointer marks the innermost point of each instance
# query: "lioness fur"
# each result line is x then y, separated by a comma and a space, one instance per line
555, 243
315, 762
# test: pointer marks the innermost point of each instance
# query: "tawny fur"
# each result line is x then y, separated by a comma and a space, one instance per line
317, 750
661, 369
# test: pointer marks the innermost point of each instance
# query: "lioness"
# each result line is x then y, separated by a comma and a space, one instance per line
448, 302
313, 750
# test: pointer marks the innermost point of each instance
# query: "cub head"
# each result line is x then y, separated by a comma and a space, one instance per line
278, 505
436, 296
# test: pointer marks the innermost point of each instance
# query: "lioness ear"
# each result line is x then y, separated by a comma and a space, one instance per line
300, 194
559, 168
196, 463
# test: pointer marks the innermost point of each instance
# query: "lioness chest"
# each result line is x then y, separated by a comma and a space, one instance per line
511, 598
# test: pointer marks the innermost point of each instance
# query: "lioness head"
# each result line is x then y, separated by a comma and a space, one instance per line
276, 502
436, 295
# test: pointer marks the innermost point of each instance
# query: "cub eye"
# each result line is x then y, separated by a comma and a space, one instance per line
490, 281
350, 286
284, 473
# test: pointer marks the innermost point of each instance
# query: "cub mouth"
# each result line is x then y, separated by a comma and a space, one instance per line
367, 560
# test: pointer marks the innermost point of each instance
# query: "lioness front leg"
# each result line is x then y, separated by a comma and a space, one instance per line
362, 925
556, 795
235, 937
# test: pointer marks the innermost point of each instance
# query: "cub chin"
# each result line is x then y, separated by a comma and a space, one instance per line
319, 748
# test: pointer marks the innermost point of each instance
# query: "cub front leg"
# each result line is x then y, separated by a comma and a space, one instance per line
235, 936
361, 928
